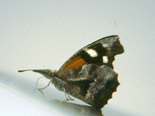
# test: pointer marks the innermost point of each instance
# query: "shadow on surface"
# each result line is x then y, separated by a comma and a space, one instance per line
77, 109
83, 110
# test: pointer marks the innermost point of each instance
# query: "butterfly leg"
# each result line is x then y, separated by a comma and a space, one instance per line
36, 88
40, 89
68, 98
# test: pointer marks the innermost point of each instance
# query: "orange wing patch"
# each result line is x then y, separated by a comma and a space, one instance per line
75, 62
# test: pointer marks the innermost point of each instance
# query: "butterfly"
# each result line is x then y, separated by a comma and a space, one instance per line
88, 75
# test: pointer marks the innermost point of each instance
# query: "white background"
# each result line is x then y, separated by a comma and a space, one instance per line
45, 33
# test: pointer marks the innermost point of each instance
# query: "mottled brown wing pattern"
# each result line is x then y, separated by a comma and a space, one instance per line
96, 85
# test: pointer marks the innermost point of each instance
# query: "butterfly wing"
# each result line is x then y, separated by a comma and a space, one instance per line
99, 52
91, 83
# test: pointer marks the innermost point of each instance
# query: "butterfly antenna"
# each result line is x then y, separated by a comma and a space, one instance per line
25, 70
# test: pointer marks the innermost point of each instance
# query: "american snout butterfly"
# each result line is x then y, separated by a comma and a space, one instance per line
88, 75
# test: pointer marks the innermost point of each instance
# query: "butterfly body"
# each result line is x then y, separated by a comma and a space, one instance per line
88, 75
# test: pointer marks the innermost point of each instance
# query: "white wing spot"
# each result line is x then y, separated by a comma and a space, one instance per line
92, 52
105, 59
105, 45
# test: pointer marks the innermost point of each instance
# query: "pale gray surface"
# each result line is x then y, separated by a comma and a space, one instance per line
44, 34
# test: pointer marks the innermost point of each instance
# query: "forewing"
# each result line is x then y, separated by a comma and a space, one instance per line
99, 52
